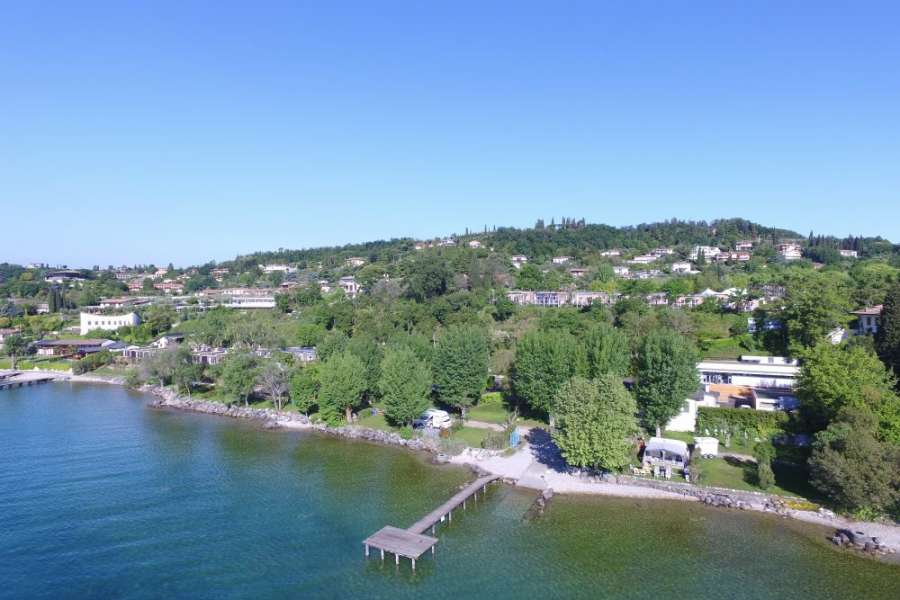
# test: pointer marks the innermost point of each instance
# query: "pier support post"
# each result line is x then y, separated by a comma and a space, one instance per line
382, 554
413, 563
432, 530
432, 550
450, 516
464, 505
367, 551
397, 559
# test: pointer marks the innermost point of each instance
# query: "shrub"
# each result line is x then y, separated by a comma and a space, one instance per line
495, 440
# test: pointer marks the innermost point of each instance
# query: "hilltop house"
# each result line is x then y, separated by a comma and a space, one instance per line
743, 246
577, 272
474, 244
518, 260
867, 319
707, 252
682, 268
304, 354
350, 286
355, 261
790, 251
621, 271
643, 259
561, 260
286, 269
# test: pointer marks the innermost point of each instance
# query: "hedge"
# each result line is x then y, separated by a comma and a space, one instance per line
92, 361
738, 421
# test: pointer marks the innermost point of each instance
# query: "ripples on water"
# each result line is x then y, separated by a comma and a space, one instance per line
101, 497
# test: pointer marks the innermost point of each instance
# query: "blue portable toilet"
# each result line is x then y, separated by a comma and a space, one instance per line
514, 438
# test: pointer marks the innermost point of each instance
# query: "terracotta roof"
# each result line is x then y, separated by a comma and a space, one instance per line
869, 311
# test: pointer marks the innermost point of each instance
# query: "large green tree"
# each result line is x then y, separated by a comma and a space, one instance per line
239, 376
184, 371
342, 382
304, 387
666, 376
887, 338
834, 377
816, 304
544, 361
460, 365
606, 351
595, 422
405, 385
14, 345
853, 467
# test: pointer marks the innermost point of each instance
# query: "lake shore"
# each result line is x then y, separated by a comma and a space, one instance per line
529, 467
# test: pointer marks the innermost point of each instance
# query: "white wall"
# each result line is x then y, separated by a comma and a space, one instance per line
90, 321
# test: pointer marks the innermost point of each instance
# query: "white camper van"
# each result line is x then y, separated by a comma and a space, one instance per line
433, 417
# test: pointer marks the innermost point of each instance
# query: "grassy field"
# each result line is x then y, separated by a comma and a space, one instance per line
470, 436
738, 475
490, 409
494, 408
40, 363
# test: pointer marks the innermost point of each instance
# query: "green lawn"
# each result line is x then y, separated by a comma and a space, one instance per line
366, 419
722, 349
494, 408
737, 475
40, 363
490, 409
470, 436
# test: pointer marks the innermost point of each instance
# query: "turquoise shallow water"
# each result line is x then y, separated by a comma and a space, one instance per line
101, 497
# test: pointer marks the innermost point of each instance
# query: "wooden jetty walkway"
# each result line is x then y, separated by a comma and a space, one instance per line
412, 542
13, 380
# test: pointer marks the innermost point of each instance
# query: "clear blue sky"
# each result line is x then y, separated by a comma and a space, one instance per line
188, 131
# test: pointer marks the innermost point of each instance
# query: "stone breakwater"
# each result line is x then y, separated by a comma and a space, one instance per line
273, 419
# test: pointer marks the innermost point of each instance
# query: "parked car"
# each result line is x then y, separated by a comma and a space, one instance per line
433, 417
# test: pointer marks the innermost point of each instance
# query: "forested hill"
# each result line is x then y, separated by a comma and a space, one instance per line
570, 236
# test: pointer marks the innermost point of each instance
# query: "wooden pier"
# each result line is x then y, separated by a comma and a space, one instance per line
12, 380
412, 542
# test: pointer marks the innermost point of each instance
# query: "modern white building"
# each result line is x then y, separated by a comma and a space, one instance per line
643, 259
621, 271
92, 321
682, 268
849, 253
707, 252
561, 260
278, 269
474, 244
761, 372
518, 260
355, 261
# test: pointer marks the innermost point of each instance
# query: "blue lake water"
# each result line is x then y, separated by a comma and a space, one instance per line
102, 497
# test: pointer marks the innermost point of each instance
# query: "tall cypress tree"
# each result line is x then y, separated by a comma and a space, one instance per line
887, 338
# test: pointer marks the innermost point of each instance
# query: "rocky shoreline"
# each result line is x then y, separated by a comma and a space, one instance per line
847, 534
274, 419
